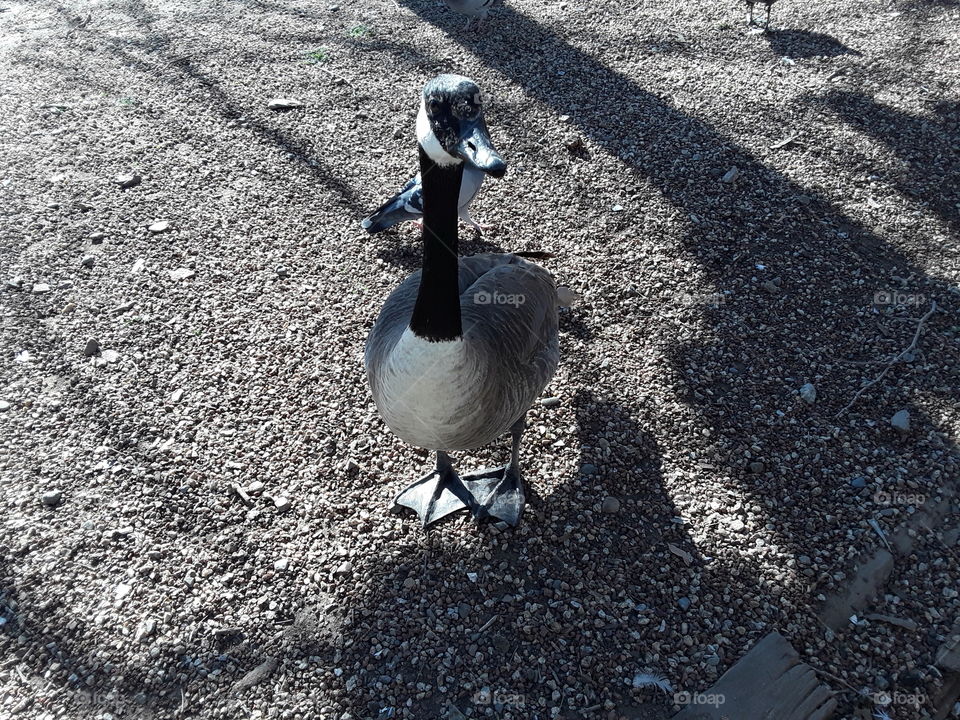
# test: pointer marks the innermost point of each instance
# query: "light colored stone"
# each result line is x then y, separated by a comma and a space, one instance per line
181, 274
283, 104
901, 421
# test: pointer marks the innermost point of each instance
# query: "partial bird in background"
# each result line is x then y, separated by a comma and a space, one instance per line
408, 203
472, 9
751, 21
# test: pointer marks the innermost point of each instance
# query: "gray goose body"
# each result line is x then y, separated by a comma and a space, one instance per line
490, 377
462, 347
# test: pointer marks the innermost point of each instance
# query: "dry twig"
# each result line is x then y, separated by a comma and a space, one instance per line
909, 348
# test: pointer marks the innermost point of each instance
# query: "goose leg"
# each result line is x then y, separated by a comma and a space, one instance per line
766, 26
499, 491
437, 494
478, 227
750, 13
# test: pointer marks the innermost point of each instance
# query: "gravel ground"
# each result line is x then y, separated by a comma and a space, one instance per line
721, 269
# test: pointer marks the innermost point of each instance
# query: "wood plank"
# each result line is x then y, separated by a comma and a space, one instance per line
768, 683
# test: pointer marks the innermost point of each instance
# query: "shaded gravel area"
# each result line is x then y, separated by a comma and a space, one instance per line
194, 482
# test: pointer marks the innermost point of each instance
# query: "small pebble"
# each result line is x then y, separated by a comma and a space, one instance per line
588, 469
97, 238
410, 583
88, 261
731, 175
181, 274
611, 505
684, 603
901, 421
283, 104
756, 467
52, 498
737, 525
282, 504
808, 393
39, 288
128, 181
255, 488
91, 348
550, 402
4, 405
858, 482
281, 564
159, 227
344, 568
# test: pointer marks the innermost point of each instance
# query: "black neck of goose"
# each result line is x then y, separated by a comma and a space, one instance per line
436, 315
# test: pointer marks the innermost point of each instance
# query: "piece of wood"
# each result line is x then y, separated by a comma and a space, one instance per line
870, 576
768, 683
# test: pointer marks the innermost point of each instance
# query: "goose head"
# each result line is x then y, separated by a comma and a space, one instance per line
451, 128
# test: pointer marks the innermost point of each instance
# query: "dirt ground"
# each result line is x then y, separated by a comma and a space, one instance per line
741, 214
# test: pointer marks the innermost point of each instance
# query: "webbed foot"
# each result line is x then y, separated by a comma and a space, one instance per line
436, 495
498, 493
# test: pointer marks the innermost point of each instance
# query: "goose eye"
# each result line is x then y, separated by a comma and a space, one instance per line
433, 106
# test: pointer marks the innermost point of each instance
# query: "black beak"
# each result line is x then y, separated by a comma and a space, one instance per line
475, 147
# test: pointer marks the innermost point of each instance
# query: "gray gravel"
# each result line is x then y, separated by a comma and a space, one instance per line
741, 216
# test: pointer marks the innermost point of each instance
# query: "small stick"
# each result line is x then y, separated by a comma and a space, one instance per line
784, 143
334, 75
909, 348
488, 623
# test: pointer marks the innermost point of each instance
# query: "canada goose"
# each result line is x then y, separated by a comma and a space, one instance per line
464, 346
750, 20
472, 9
408, 203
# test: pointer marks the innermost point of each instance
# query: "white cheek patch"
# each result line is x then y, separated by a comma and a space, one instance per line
428, 141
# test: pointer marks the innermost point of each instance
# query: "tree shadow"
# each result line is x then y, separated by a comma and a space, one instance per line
180, 67
765, 216
929, 150
806, 44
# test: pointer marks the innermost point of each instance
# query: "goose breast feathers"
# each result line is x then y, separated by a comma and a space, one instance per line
464, 393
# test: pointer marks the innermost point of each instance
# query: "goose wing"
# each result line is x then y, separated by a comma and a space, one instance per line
509, 311
405, 205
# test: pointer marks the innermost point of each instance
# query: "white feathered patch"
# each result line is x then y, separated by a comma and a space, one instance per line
645, 680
